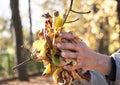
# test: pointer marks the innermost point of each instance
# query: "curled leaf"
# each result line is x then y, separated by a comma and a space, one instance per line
56, 73
47, 70
39, 49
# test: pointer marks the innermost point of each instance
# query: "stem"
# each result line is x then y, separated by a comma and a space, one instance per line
25, 48
24, 62
70, 9
72, 21
80, 12
71, 3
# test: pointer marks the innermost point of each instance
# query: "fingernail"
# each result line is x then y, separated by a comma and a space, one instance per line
63, 54
58, 45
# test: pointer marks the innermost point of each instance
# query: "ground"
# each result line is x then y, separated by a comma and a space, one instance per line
37, 80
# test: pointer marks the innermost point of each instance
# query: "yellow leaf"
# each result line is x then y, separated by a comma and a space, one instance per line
56, 73
47, 70
40, 45
58, 20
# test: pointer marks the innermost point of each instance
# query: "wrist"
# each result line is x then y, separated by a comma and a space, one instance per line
102, 63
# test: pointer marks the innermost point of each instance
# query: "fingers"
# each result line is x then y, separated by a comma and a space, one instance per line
67, 35
68, 54
68, 46
70, 36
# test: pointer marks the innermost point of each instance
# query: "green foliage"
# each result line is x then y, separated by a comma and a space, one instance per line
6, 63
33, 67
56, 60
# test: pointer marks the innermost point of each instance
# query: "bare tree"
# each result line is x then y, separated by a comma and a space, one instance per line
104, 41
30, 20
16, 21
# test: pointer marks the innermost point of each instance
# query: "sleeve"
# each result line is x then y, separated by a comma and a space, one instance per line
116, 57
97, 79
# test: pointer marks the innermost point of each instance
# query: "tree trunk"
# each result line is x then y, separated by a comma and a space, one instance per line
104, 42
30, 20
118, 11
16, 21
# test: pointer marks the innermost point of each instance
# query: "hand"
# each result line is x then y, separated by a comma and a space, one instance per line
87, 58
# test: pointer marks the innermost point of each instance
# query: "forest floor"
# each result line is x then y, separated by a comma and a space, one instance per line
36, 80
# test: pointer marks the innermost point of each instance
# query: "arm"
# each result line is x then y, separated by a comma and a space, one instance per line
114, 75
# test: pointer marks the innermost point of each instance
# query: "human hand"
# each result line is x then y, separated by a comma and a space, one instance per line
86, 58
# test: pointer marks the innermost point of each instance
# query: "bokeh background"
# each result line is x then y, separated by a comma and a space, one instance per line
20, 19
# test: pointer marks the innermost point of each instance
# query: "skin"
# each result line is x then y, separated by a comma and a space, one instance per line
87, 58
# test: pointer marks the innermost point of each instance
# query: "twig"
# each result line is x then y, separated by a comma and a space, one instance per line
80, 12
71, 3
25, 48
72, 21
24, 62
70, 9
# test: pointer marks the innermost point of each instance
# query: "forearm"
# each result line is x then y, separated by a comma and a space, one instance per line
103, 63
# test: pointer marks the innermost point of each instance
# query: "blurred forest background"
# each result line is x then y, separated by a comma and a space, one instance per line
20, 19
